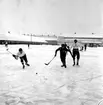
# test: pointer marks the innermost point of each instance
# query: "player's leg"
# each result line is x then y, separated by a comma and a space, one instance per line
25, 59
21, 59
78, 57
74, 54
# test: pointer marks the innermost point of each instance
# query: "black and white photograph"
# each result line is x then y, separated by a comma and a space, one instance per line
51, 52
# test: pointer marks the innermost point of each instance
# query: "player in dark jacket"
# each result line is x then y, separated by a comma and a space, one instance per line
63, 52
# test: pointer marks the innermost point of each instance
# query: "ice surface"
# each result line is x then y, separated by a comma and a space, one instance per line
51, 84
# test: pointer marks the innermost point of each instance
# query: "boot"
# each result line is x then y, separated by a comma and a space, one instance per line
23, 65
77, 63
27, 64
65, 66
62, 65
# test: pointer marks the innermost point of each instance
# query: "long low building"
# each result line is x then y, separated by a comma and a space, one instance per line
51, 40
27, 39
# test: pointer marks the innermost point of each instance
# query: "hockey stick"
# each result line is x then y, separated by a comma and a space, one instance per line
71, 54
9, 51
49, 61
12, 54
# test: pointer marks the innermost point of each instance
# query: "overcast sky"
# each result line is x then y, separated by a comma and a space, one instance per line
51, 16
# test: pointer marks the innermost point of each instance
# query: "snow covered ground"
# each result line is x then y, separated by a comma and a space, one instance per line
40, 84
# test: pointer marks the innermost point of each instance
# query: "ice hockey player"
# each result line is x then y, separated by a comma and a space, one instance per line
23, 58
75, 51
63, 52
85, 47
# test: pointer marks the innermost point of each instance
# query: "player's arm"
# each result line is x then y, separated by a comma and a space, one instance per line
68, 49
15, 56
57, 51
80, 46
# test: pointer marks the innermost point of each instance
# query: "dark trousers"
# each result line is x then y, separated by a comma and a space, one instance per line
63, 59
24, 59
76, 54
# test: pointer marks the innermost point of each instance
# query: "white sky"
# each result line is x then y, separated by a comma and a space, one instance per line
51, 16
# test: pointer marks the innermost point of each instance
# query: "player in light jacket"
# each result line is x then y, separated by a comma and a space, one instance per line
75, 51
23, 58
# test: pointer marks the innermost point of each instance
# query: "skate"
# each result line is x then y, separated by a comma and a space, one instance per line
65, 66
77, 64
27, 64
62, 65
73, 64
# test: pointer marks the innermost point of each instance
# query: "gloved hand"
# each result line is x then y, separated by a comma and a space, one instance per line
14, 56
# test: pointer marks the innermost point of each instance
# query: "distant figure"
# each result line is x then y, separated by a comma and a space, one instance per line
6, 44
75, 51
23, 58
85, 47
63, 52
28, 46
